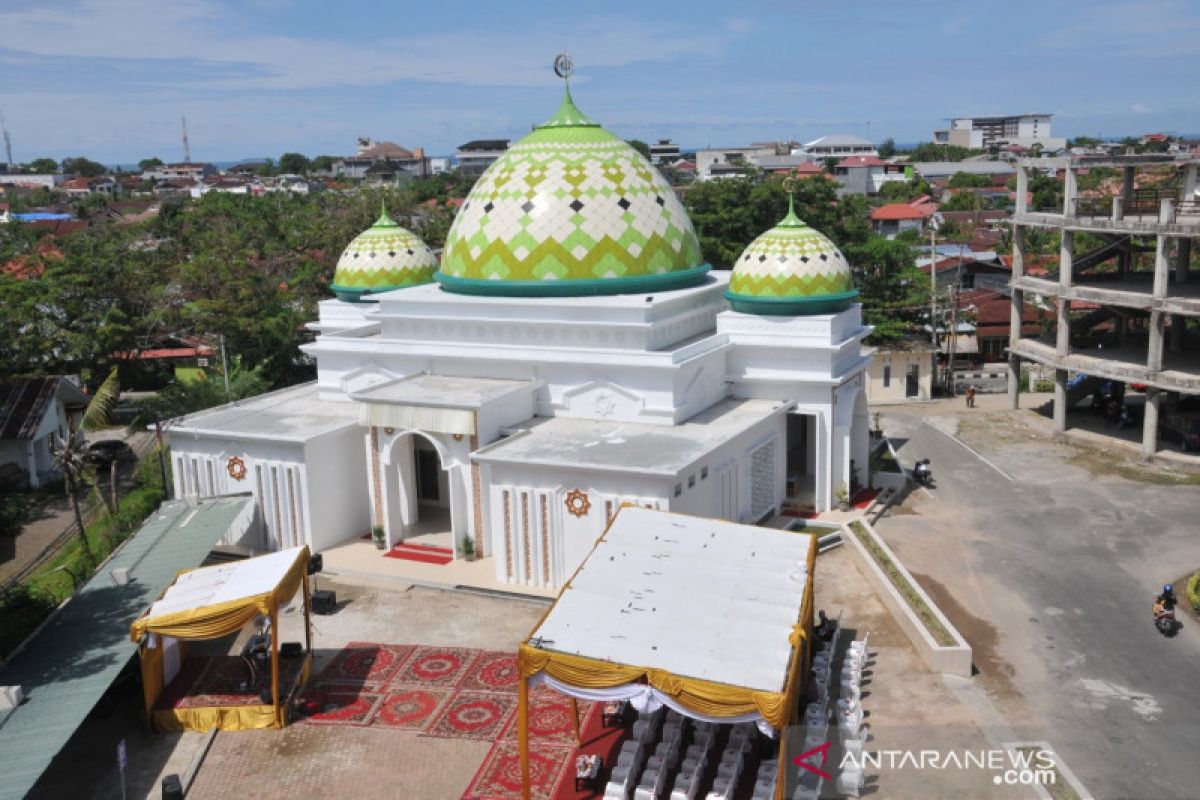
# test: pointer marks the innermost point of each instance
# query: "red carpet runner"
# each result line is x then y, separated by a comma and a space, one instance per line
425, 553
461, 693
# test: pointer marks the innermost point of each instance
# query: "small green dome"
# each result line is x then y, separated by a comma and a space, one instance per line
381, 258
791, 270
570, 210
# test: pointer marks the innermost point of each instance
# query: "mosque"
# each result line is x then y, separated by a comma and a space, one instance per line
570, 353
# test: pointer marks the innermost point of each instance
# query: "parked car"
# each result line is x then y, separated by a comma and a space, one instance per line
106, 451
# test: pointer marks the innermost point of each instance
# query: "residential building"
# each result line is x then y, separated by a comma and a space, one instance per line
382, 161
35, 414
47, 181
839, 146
866, 174
471, 398
933, 170
439, 165
730, 162
893, 218
477, 155
1149, 308
979, 133
181, 171
664, 151
901, 372
81, 187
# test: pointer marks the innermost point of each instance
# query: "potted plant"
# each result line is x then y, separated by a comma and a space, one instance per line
843, 498
468, 548
379, 536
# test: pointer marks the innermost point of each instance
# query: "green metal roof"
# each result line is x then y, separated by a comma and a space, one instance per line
69, 664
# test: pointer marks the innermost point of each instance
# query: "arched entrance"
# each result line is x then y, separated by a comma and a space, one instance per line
418, 487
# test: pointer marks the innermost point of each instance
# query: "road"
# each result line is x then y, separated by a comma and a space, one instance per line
1050, 570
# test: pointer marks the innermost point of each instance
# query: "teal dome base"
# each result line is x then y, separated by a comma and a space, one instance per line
792, 306
567, 287
358, 295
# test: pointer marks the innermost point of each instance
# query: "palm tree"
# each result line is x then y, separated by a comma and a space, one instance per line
70, 457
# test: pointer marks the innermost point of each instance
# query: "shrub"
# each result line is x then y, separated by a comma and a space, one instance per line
1193, 591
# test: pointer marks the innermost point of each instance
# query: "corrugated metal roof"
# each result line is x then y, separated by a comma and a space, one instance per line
68, 665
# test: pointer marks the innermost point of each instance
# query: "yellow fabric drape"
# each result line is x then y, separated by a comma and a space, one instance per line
226, 718
221, 619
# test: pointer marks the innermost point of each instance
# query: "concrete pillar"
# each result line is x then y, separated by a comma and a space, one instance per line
1060, 401
1128, 179
1066, 259
1062, 342
1150, 423
1022, 204
1015, 318
1154, 350
1187, 189
1070, 191
1161, 266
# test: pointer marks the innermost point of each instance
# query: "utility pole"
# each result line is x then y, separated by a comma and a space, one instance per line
225, 367
933, 296
952, 339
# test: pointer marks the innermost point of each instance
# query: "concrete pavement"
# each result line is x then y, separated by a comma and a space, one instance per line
1047, 562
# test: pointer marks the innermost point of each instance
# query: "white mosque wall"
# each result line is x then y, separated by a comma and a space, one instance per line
338, 480
542, 522
535, 537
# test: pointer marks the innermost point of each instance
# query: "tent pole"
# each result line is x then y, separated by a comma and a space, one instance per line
781, 766
307, 618
275, 661
575, 717
523, 734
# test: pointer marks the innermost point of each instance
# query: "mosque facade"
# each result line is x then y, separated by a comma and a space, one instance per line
570, 353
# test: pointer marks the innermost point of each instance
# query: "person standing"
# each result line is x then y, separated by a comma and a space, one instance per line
970, 397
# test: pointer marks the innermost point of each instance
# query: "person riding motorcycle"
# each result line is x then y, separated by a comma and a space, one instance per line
1166, 601
921, 471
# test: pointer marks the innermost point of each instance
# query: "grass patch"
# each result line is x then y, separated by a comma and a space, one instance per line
1107, 462
1193, 591
189, 374
26, 605
1060, 789
882, 460
932, 624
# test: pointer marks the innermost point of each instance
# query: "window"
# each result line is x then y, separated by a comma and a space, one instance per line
691, 480
887, 376
704, 474
678, 489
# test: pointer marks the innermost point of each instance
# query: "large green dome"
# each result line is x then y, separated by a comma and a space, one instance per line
791, 270
381, 258
570, 210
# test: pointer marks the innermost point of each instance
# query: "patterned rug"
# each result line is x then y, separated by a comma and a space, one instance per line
459, 693
204, 682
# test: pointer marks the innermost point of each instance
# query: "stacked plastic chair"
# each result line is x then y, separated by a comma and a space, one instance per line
851, 730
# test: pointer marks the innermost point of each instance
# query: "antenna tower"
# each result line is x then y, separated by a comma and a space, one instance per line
187, 150
7, 142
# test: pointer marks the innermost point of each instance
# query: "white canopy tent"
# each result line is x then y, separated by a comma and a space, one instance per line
708, 617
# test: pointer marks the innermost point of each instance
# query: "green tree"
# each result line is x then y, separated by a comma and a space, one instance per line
893, 290
266, 169
322, 163
729, 214
187, 397
150, 163
83, 167
293, 164
904, 191
888, 148
968, 180
930, 151
42, 166
641, 147
964, 200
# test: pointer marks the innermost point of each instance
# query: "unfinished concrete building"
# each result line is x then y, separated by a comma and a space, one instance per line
1140, 304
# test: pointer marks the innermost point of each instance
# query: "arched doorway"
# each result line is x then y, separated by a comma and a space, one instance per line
419, 492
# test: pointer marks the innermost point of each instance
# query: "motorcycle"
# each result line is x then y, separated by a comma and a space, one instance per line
1164, 620
922, 474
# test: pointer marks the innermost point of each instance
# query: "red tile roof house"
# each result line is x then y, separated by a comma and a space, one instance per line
990, 310
34, 413
893, 218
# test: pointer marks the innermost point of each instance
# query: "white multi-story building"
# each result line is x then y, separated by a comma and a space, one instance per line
570, 353
978, 133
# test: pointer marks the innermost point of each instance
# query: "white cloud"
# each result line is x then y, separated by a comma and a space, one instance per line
1138, 108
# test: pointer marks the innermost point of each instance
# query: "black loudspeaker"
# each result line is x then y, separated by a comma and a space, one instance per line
324, 601
172, 788
316, 564
291, 650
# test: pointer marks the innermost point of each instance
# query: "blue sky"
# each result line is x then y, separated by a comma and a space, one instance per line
111, 78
